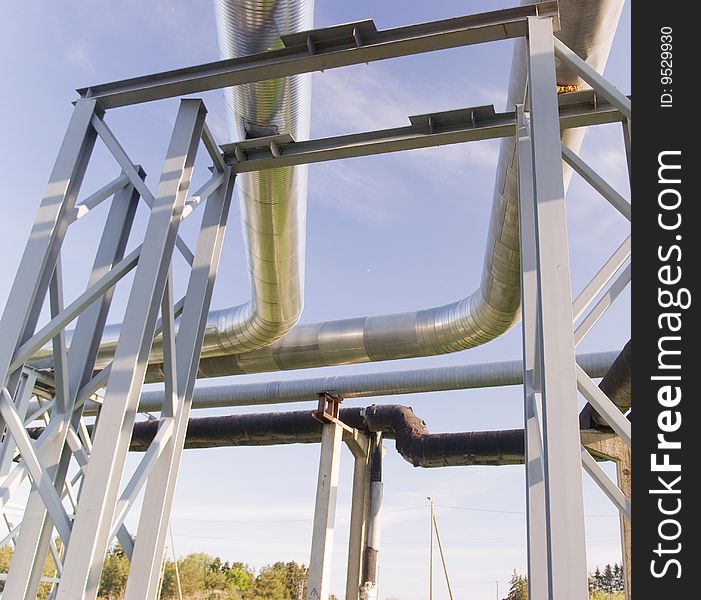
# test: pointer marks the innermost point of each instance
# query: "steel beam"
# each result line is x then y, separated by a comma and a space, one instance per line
22, 402
333, 47
603, 405
605, 483
451, 127
318, 586
598, 310
601, 279
536, 519
596, 181
36, 267
98, 197
567, 569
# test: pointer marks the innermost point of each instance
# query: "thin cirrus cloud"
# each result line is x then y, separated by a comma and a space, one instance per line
374, 99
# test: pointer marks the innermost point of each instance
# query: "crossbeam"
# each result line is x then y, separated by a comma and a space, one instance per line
578, 109
332, 47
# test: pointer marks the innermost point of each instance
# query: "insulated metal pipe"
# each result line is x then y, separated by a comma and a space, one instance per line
371, 384
272, 203
412, 439
587, 27
259, 335
368, 591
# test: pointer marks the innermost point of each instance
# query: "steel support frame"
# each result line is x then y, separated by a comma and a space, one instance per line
554, 455
40, 273
95, 515
93, 522
321, 49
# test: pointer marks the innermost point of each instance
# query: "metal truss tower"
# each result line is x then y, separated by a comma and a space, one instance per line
76, 475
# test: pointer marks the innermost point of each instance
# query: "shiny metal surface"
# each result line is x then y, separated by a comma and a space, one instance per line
367, 385
272, 203
259, 335
492, 309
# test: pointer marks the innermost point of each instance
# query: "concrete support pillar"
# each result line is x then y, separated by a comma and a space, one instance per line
325, 512
611, 447
359, 509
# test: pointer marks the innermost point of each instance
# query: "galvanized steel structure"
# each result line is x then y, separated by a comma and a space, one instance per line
94, 367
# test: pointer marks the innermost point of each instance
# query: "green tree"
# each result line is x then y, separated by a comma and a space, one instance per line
518, 587
114, 574
607, 582
192, 571
618, 585
239, 576
5, 560
596, 581
279, 581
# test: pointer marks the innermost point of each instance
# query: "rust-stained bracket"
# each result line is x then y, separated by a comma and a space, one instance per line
329, 409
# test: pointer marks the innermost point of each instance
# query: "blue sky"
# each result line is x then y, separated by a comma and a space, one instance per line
385, 234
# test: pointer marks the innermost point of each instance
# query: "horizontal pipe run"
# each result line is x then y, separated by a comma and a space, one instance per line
371, 384
413, 440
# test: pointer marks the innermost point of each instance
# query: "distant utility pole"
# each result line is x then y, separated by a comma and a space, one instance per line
430, 554
497, 582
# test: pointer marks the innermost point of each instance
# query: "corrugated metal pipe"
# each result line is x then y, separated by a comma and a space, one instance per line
587, 27
365, 385
254, 337
272, 203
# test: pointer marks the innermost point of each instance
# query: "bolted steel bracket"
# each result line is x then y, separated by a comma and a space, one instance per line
329, 410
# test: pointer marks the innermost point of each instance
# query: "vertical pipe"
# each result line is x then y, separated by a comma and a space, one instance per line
374, 525
430, 555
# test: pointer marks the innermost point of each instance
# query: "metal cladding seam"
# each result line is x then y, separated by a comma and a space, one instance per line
364, 385
272, 202
588, 27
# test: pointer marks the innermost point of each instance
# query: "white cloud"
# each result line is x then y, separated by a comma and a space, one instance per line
79, 55
364, 99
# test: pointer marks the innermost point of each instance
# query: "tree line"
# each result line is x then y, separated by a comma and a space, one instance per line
198, 576
606, 585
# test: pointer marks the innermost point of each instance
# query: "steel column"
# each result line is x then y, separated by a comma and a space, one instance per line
318, 585
160, 489
567, 568
536, 519
93, 521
